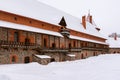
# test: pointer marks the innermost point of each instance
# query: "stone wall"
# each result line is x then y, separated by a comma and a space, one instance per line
114, 50
43, 61
57, 57
15, 56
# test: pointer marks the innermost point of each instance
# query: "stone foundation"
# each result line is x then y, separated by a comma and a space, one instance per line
114, 50
43, 61
15, 56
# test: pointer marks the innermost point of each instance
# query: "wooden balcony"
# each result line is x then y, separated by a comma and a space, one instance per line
75, 49
94, 48
52, 50
12, 44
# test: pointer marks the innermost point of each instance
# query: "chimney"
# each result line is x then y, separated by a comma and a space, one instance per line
84, 21
115, 36
90, 19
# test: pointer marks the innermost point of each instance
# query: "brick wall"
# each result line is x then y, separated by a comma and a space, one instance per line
27, 21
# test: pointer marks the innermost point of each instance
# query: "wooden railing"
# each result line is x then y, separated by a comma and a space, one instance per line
12, 44
51, 50
75, 49
94, 48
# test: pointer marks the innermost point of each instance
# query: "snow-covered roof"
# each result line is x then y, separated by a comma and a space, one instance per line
43, 56
28, 28
37, 10
113, 43
91, 30
88, 40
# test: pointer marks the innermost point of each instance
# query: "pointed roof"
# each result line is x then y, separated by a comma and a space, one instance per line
63, 22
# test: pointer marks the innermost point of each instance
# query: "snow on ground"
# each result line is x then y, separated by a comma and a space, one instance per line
102, 67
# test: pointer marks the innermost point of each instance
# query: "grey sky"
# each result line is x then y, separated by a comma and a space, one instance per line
106, 13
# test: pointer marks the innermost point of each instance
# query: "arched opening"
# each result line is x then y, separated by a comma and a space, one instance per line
82, 56
94, 54
52, 60
27, 59
114, 52
13, 59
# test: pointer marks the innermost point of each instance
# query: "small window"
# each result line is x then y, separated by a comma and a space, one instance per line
52, 60
16, 37
69, 45
30, 22
61, 27
15, 18
13, 59
53, 45
94, 54
27, 59
82, 56
114, 52
74, 44
27, 41
45, 43
43, 25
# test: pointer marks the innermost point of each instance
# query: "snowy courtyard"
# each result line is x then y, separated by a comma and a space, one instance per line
102, 67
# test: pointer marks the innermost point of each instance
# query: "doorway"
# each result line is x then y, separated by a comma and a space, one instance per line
27, 59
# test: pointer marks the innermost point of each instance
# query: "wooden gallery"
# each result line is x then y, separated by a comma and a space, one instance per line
32, 31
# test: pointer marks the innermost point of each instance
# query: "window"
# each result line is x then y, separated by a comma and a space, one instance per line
62, 28
74, 44
52, 60
13, 59
16, 37
94, 54
81, 44
114, 52
53, 45
27, 41
69, 45
43, 25
45, 43
15, 18
82, 56
27, 59
30, 22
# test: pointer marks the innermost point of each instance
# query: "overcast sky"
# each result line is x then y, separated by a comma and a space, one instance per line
106, 13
